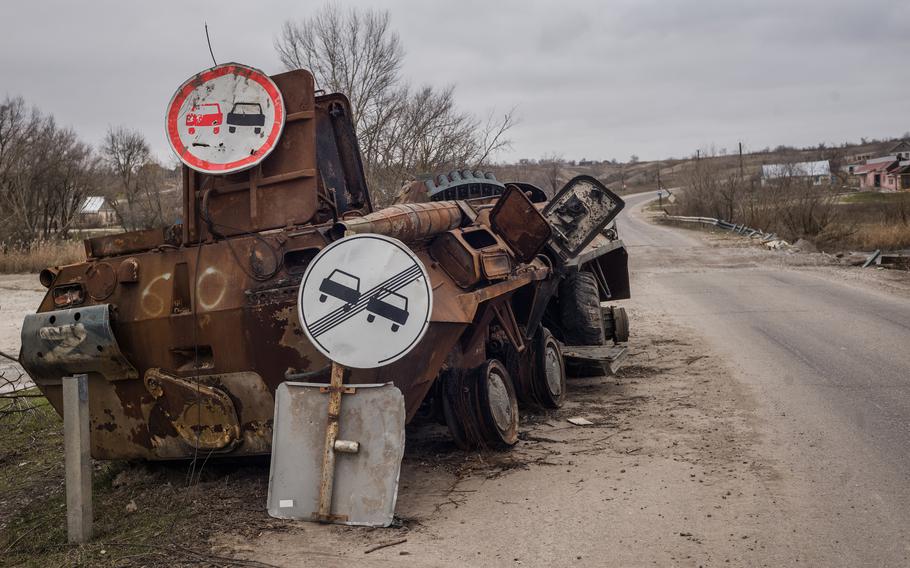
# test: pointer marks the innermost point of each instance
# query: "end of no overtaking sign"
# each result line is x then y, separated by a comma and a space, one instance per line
365, 301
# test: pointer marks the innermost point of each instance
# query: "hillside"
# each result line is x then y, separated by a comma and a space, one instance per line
642, 175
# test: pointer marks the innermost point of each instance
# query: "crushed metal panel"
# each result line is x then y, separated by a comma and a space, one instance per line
578, 213
72, 341
612, 355
520, 224
366, 482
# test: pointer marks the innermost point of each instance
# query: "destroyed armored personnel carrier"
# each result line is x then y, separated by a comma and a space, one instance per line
186, 332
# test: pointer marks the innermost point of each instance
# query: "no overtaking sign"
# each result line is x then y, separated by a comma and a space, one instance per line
225, 119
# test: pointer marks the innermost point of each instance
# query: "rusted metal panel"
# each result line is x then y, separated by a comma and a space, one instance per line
203, 416
135, 241
75, 340
520, 224
279, 192
338, 155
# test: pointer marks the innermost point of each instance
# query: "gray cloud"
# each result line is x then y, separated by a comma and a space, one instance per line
590, 79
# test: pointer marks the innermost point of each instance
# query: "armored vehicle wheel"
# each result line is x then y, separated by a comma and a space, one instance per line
620, 324
480, 407
452, 393
580, 315
498, 405
549, 375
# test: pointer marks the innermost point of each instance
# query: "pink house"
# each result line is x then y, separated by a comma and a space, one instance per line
881, 174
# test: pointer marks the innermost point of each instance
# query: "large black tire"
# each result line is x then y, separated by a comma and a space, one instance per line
549, 372
498, 405
616, 324
620, 325
480, 407
579, 305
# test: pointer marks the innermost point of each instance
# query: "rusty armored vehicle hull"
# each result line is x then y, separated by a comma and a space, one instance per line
187, 332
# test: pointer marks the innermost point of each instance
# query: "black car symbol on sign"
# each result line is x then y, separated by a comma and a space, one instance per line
246, 114
342, 285
385, 307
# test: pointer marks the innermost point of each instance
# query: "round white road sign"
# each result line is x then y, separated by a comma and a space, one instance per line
365, 301
225, 119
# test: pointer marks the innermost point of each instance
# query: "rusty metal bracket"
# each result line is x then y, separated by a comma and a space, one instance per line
342, 390
506, 317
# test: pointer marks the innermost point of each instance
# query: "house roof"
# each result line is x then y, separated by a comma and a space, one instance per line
882, 159
92, 204
799, 169
901, 146
873, 166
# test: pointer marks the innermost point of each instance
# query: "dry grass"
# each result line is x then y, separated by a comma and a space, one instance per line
884, 236
40, 255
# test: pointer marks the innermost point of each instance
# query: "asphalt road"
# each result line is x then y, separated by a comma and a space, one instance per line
825, 357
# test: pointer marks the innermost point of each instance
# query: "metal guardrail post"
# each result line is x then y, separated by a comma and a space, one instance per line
78, 459
875, 256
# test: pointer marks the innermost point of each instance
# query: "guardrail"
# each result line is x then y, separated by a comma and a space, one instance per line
899, 259
733, 227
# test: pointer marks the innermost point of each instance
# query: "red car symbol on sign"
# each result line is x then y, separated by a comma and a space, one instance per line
205, 114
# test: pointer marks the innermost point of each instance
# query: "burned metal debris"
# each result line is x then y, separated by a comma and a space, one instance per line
187, 332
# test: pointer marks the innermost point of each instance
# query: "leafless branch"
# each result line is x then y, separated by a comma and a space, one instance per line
403, 131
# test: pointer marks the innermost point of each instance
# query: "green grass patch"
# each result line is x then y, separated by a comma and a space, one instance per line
145, 514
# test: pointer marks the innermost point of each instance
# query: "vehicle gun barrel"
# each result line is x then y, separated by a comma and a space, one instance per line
409, 221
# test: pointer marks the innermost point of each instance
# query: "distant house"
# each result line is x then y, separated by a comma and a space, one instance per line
902, 175
96, 212
901, 150
817, 172
882, 174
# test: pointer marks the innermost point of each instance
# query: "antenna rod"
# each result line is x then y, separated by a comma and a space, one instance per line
209, 41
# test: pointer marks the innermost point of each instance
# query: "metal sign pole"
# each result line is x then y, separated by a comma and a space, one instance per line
78, 459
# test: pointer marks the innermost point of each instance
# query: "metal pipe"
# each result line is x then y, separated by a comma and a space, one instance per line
407, 221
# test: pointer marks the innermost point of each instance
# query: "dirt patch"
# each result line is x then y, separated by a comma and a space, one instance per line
20, 294
660, 476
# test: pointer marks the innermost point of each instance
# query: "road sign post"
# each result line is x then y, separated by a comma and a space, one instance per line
364, 302
336, 389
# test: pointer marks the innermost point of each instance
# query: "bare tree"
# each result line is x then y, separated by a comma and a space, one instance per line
138, 180
45, 173
402, 131
352, 51
552, 172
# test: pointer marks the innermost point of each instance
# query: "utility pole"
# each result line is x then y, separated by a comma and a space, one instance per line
740, 160
697, 155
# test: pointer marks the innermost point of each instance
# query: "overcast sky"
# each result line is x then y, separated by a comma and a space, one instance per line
592, 79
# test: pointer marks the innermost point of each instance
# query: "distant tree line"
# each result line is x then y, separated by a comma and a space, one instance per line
46, 172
